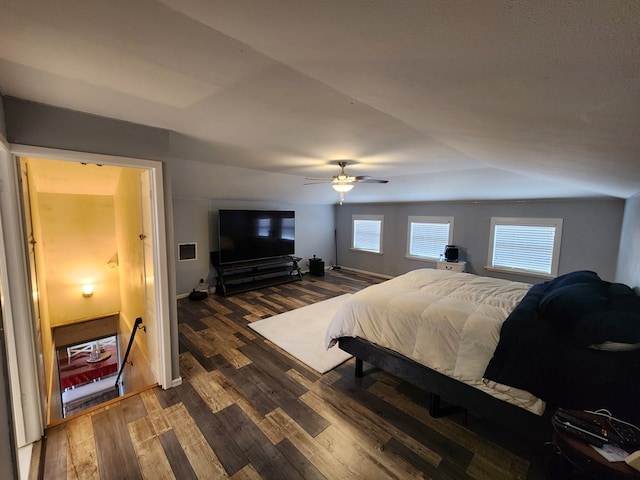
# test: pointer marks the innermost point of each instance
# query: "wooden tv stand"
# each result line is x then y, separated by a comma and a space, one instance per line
239, 277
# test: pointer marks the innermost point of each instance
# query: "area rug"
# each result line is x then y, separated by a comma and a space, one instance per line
301, 332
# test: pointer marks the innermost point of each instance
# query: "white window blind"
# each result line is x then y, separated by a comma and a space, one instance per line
428, 236
367, 233
526, 245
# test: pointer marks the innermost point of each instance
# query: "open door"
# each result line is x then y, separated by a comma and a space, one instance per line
156, 274
48, 387
147, 239
22, 359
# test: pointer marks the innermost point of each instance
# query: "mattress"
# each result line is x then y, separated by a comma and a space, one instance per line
447, 321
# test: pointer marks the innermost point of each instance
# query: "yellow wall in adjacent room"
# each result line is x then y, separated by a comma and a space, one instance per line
79, 246
128, 223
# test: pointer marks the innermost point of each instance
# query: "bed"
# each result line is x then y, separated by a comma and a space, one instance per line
491, 346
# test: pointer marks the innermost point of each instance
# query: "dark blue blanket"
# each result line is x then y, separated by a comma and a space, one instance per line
545, 345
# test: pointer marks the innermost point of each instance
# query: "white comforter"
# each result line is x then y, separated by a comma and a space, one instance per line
447, 321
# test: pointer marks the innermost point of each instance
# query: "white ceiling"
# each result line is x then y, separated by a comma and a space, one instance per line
446, 99
54, 176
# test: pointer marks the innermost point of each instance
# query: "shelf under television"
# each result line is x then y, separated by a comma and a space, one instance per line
244, 276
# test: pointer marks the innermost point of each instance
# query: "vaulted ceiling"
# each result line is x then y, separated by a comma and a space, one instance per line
445, 99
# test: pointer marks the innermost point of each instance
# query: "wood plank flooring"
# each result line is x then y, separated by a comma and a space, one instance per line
247, 410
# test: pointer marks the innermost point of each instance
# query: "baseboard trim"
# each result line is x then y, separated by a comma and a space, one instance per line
366, 272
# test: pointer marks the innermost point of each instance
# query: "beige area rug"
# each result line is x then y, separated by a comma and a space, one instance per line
300, 333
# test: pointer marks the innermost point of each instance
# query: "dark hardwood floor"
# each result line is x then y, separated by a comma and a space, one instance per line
247, 410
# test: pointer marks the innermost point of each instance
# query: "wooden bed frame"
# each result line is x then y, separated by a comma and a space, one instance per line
439, 386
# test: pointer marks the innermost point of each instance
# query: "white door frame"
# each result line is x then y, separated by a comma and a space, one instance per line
21, 352
8, 454
31, 410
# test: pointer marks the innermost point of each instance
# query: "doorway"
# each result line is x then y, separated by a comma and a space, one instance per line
71, 210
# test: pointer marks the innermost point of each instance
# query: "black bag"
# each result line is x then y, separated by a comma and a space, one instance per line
194, 295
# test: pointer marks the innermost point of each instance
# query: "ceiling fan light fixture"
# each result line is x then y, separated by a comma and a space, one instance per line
343, 182
344, 178
342, 187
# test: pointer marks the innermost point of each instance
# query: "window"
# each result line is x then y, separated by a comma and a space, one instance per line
427, 237
525, 245
367, 233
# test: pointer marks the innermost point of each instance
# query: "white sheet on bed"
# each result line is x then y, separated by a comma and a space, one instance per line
445, 320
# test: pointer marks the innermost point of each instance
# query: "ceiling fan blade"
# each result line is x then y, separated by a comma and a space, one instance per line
368, 179
344, 179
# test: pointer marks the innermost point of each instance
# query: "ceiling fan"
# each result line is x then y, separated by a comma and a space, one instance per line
343, 182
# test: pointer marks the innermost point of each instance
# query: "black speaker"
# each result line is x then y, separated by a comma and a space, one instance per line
316, 267
451, 253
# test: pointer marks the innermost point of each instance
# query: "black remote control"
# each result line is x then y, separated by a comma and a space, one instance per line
590, 425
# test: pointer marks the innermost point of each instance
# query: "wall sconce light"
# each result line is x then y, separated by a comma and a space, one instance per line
87, 291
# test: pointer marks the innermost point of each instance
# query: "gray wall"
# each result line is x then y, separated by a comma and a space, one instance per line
191, 224
629, 258
590, 234
30, 123
3, 130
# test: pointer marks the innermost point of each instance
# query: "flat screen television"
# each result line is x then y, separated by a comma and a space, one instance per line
245, 235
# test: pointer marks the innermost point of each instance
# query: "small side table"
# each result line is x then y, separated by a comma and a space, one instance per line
459, 267
586, 460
